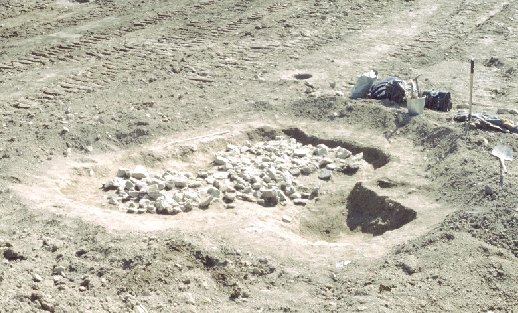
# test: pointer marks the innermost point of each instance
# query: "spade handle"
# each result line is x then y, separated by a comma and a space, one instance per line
502, 165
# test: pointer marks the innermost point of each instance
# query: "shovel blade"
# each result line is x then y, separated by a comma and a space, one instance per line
503, 151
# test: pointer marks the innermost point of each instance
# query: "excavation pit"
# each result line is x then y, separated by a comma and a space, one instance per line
353, 205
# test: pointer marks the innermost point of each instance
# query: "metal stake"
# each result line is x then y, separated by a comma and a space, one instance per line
470, 95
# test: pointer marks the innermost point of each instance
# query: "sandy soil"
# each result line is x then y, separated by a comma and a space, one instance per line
87, 87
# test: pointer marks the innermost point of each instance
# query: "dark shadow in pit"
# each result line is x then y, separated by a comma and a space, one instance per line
374, 156
375, 214
301, 76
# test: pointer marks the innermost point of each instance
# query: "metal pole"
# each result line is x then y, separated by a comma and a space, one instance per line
470, 94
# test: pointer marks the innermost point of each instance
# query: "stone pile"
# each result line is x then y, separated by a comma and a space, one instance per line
264, 173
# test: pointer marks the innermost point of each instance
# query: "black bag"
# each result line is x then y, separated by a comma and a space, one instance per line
391, 88
438, 100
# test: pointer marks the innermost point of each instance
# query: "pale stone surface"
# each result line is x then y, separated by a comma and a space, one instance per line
139, 172
264, 172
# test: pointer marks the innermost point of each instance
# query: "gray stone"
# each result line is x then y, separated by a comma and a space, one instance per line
325, 174
286, 219
281, 195
230, 196
123, 172
270, 197
155, 195
308, 169
113, 201
205, 201
129, 185
178, 197
513, 111
321, 150
214, 192
502, 111
269, 193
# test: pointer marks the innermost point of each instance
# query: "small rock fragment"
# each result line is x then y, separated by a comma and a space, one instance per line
37, 278
325, 174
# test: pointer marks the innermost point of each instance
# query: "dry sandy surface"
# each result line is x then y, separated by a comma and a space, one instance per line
87, 87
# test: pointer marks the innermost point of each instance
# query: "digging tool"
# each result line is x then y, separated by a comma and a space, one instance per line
505, 153
470, 94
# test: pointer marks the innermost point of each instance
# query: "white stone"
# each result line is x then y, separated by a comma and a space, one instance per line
331, 166
300, 152
194, 184
220, 175
60, 270
227, 166
286, 219
295, 195
219, 160
343, 153
192, 195
178, 197
139, 172
230, 196
181, 181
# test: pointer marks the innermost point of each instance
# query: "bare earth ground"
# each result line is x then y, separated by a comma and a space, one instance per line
90, 86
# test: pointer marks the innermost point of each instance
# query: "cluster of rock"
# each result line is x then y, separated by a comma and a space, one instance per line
264, 173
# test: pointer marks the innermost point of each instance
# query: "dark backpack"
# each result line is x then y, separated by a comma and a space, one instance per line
391, 88
438, 100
